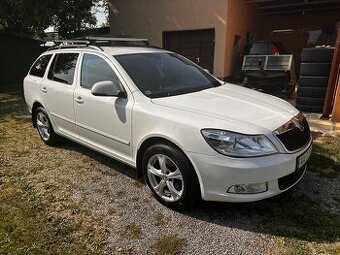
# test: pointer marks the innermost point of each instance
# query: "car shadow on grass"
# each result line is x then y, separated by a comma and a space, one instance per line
113, 164
289, 214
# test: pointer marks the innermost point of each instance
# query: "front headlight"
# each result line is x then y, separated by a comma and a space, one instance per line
238, 145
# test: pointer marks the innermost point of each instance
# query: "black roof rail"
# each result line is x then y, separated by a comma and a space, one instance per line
69, 44
117, 41
95, 43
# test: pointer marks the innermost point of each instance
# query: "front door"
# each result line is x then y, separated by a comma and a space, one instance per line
104, 122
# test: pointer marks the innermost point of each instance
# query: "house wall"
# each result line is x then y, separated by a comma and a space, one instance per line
149, 18
241, 18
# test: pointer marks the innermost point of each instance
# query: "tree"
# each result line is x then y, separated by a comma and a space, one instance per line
32, 17
73, 15
25, 17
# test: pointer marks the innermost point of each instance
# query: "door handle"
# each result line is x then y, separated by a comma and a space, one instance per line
79, 100
44, 89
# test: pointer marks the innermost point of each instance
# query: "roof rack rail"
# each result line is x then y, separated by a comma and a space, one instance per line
68, 44
96, 43
117, 41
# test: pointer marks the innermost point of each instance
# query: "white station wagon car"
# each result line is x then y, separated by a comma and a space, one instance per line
191, 135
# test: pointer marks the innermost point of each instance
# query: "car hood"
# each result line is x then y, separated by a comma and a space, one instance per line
234, 103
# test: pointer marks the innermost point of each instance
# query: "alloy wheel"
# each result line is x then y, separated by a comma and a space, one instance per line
43, 126
165, 177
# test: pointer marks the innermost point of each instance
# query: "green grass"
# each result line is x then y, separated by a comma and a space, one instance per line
300, 225
26, 228
168, 245
159, 219
111, 210
132, 230
301, 218
120, 193
325, 159
38, 214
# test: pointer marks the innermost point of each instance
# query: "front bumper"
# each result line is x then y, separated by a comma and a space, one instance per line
218, 173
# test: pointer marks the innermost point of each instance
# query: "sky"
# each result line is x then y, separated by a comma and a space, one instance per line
101, 16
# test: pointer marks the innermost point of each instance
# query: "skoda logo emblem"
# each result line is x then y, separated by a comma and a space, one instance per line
300, 126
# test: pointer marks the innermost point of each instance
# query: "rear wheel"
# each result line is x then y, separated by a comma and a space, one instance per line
170, 176
44, 127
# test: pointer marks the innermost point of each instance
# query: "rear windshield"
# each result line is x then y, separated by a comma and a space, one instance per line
165, 74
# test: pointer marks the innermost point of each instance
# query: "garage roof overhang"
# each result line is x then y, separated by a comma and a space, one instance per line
278, 7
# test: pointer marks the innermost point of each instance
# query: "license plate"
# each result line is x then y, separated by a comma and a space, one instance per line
302, 159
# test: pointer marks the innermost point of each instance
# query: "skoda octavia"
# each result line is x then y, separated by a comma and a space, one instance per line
191, 135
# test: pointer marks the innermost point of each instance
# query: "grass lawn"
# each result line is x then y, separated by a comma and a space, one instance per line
326, 156
45, 208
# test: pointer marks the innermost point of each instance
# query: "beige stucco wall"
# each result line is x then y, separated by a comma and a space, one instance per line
149, 18
241, 18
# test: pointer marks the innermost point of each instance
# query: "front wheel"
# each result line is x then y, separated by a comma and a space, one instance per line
170, 176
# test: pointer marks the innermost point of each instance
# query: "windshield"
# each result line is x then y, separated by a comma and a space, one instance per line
165, 74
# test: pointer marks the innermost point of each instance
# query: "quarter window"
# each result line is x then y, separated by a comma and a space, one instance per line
63, 67
39, 67
95, 69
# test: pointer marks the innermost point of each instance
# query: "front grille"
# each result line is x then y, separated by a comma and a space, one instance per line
296, 138
288, 180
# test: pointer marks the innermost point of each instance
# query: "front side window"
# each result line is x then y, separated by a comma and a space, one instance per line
63, 67
39, 67
165, 74
95, 69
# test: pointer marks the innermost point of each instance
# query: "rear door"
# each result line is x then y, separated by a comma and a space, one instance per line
58, 89
33, 80
104, 122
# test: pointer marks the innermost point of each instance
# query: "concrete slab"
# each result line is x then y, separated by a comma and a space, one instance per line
321, 125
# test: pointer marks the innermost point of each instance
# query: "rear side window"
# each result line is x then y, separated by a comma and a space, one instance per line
95, 69
39, 66
63, 67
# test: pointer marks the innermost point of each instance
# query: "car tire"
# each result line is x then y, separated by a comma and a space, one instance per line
170, 176
314, 92
44, 127
315, 69
317, 55
313, 81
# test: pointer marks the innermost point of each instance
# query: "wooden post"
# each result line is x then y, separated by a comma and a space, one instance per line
336, 106
331, 86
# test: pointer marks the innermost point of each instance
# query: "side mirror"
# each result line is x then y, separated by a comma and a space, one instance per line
107, 89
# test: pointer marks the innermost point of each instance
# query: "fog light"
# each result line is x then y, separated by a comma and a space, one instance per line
251, 188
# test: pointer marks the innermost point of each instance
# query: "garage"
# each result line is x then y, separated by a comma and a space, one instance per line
308, 31
217, 34
196, 45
